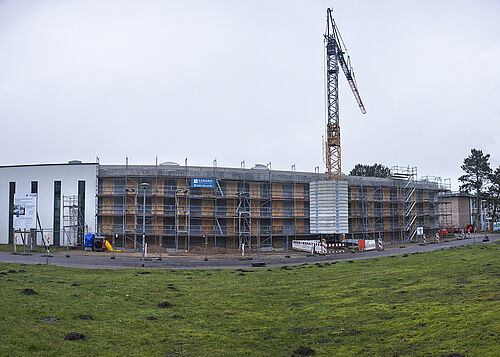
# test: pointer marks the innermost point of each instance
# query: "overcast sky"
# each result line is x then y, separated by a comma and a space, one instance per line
244, 80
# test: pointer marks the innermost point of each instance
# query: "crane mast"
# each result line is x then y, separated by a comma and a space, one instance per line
336, 54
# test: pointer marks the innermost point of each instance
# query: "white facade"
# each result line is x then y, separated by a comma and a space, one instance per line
68, 174
329, 207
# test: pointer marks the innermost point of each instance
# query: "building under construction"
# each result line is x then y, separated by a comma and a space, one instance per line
177, 206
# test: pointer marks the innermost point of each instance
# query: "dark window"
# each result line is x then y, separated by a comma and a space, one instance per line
265, 208
195, 228
169, 206
118, 225
287, 190
170, 186
243, 187
81, 211
119, 185
12, 191
196, 207
169, 227
195, 191
118, 204
220, 242
34, 186
288, 208
265, 189
222, 186
57, 212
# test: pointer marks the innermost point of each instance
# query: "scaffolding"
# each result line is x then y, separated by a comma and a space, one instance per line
406, 177
130, 207
244, 220
71, 221
253, 208
266, 212
393, 209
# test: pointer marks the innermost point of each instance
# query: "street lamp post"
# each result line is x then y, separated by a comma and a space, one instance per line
206, 247
144, 187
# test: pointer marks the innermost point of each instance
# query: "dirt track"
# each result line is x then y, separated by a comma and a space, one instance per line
93, 260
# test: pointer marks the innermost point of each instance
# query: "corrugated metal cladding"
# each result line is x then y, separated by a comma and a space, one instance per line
329, 207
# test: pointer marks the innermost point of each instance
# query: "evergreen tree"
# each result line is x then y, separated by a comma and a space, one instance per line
494, 194
375, 170
477, 173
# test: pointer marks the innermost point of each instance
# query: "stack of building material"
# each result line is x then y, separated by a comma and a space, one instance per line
329, 207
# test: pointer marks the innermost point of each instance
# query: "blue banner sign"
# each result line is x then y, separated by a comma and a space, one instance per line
203, 182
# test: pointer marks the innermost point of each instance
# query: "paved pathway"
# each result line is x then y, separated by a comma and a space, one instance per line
189, 262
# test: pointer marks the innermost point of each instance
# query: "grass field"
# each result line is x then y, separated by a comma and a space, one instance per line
430, 304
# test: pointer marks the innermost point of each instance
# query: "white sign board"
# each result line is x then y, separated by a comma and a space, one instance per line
420, 231
24, 212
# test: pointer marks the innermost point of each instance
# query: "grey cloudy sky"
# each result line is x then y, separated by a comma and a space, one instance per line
244, 80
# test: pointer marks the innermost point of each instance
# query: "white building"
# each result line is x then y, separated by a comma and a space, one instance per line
74, 182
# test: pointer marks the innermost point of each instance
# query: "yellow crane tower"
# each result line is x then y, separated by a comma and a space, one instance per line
336, 55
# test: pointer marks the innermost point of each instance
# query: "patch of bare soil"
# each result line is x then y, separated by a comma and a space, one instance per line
304, 351
151, 318
49, 319
29, 292
85, 317
165, 304
75, 336
177, 317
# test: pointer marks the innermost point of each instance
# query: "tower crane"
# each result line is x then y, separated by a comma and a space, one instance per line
336, 55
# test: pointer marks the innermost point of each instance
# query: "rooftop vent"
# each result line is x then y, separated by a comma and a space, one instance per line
74, 162
169, 163
259, 167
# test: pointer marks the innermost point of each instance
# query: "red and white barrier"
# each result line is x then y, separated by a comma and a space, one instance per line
380, 246
437, 237
424, 239
316, 246
366, 244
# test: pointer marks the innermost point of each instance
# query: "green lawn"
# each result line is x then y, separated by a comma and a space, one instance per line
427, 304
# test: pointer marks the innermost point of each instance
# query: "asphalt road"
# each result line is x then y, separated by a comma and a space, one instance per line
189, 262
